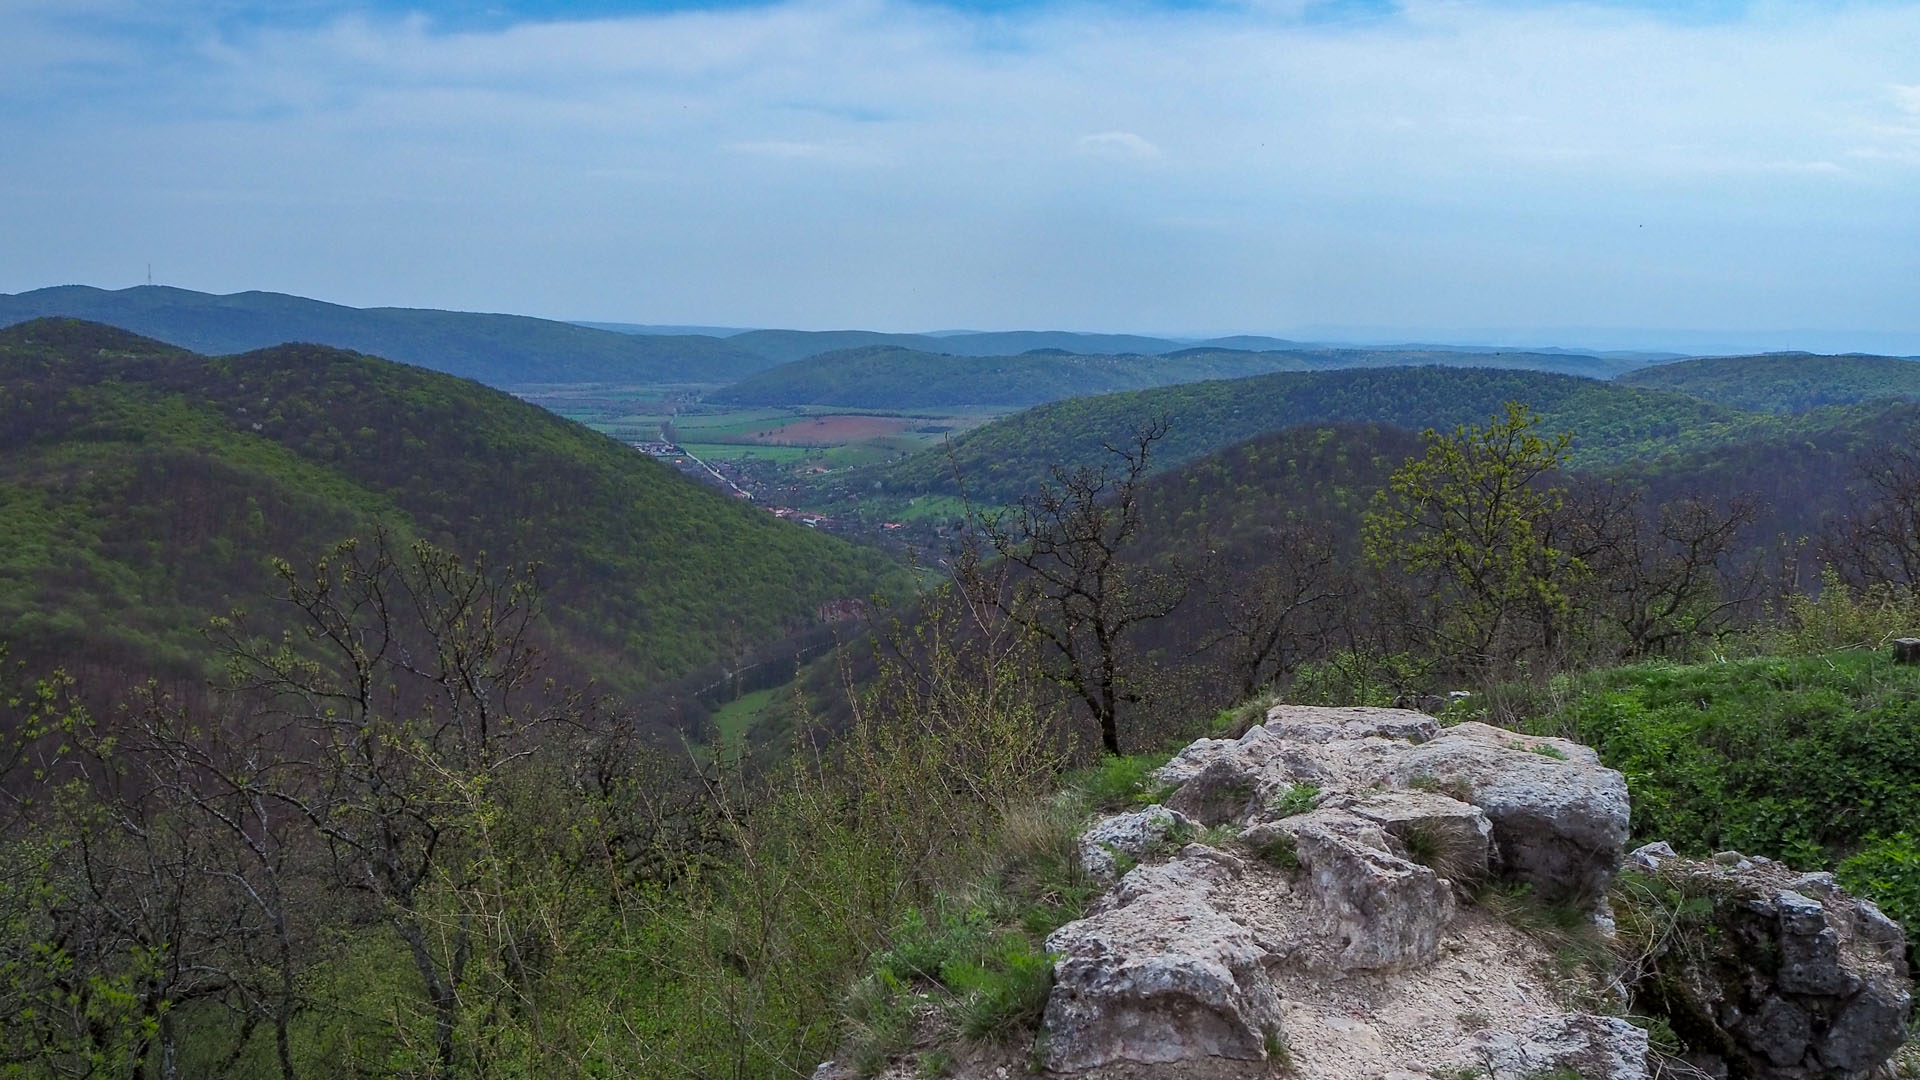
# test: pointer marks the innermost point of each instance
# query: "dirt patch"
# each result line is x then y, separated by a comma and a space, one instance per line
827, 430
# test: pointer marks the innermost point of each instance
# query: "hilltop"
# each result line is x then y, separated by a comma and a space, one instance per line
499, 350
1000, 460
891, 377
146, 487
1785, 382
886, 377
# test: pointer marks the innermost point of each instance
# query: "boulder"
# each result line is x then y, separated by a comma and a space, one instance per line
1558, 816
1591, 1047
1378, 910
1159, 976
1316, 723
1227, 790
1785, 978
1133, 834
1452, 838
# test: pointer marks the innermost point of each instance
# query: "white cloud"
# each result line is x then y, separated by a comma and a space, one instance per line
1119, 144
1470, 159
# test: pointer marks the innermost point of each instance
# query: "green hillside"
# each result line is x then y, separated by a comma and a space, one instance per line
892, 377
1000, 460
499, 350
1785, 382
883, 377
145, 488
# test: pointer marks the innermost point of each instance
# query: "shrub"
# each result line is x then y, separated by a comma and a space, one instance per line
1792, 758
1887, 871
1121, 783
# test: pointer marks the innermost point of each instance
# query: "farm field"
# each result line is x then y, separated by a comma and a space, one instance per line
814, 436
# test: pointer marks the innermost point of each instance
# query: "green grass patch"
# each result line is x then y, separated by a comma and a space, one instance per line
733, 720
744, 451
1121, 783
1804, 759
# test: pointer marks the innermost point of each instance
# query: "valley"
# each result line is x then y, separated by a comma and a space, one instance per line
959, 540
720, 663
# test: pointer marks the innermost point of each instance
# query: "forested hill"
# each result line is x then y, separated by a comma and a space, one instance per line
1786, 382
1000, 460
888, 377
784, 346
499, 350
883, 377
143, 489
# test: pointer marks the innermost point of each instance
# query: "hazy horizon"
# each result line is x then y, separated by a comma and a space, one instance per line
1610, 174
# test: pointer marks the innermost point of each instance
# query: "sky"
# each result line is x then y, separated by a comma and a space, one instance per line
1600, 174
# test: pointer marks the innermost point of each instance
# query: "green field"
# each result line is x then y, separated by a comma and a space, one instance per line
733, 720
745, 451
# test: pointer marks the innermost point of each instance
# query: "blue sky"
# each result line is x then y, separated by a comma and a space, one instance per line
1602, 174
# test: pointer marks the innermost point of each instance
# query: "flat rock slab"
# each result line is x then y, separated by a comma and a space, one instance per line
1161, 977
1592, 1047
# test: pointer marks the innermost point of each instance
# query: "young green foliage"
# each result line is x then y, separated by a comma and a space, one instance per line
1473, 514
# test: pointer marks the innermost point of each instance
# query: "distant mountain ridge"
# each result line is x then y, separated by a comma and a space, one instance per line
515, 350
499, 350
1786, 382
890, 377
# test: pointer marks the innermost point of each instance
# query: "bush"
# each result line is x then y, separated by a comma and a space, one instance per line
1792, 758
1121, 783
1887, 871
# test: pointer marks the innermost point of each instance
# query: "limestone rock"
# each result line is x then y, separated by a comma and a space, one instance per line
1313, 723
1594, 1047
1452, 838
1559, 817
1381, 912
1195, 873
1226, 790
1133, 834
1796, 979
1159, 977
1651, 856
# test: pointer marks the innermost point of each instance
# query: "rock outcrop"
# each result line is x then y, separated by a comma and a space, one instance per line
1590, 1047
1160, 975
1350, 938
1792, 977
1373, 821
1347, 938
1382, 910
1132, 835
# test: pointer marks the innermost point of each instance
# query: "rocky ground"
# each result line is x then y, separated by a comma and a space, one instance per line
1385, 899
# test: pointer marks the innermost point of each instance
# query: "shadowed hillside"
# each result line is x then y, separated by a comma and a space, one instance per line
1000, 460
145, 489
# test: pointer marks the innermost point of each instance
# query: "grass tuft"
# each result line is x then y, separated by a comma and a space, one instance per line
1297, 799
1003, 997
1121, 783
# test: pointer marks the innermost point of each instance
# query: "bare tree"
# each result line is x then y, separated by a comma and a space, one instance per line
1878, 540
1279, 610
411, 682
1075, 587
